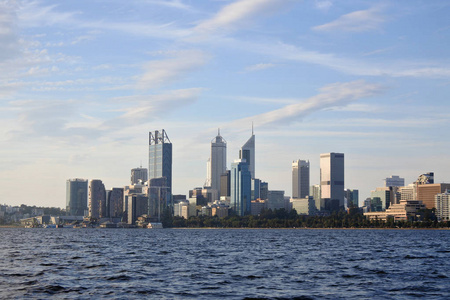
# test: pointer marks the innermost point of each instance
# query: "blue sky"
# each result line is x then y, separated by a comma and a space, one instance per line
83, 82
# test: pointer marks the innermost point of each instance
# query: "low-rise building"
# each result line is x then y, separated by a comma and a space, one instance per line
405, 210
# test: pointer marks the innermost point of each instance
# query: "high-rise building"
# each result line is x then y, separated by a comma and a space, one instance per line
385, 195
352, 197
247, 152
158, 197
76, 196
332, 181
240, 188
139, 174
442, 204
300, 179
218, 163
427, 192
160, 159
97, 199
263, 190
114, 202
394, 181
256, 188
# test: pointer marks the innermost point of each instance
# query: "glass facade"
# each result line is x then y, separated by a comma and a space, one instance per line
240, 188
76, 196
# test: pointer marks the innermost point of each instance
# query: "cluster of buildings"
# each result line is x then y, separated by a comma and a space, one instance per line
238, 191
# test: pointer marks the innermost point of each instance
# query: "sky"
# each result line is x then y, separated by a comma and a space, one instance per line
83, 82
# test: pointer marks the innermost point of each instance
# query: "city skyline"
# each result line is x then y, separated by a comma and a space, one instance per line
83, 84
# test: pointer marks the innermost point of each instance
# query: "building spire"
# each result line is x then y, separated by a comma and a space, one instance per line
252, 128
218, 131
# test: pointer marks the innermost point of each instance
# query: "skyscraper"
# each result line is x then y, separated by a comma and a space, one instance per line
160, 157
332, 181
76, 196
394, 181
240, 188
139, 174
97, 199
218, 163
247, 152
300, 179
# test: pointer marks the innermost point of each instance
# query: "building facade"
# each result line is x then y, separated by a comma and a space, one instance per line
76, 196
394, 181
332, 181
442, 204
218, 164
138, 174
300, 179
97, 199
160, 160
352, 197
247, 152
240, 188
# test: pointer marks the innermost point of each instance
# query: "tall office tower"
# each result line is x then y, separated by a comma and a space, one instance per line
139, 174
332, 181
218, 161
160, 159
76, 196
240, 188
247, 152
159, 197
115, 203
394, 181
97, 199
300, 179
352, 197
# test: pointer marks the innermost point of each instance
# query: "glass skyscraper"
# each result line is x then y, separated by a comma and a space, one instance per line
160, 165
300, 179
247, 152
332, 181
241, 190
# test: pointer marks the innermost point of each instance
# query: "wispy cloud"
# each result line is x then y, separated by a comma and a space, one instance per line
333, 95
236, 14
323, 4
161, 72
259, 67
357, 21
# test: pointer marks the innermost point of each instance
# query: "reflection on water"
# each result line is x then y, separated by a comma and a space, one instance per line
235, 264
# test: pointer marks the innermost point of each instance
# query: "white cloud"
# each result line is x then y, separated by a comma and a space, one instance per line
238, 13
357, 21
161, 72
333, 95
323, 4
259, 67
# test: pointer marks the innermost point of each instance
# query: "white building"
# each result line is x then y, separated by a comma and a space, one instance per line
300, 179
218, 162
442, 203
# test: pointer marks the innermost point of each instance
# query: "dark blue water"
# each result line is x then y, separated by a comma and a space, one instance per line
234, 264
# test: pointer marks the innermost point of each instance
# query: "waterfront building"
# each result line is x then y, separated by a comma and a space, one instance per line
158, 198
394, 181
137, 206
240, 187
304, 206
160, 160
385, 195
114, 202
218, 163
332, 181
300, 179
427, 192
408, 192
352, 197
181, 209
257, 206
405, 210
220, 210
275, 200
76, 196
247, 152
442, 204
139, 175
97, 199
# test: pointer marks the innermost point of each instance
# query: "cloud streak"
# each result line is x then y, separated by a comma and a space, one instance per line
357, 21
333, 95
